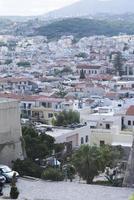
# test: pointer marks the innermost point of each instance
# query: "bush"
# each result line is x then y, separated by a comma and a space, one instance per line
69, 171
52, 174
24, 64
27, 167
14, 193
66, 117
132, 197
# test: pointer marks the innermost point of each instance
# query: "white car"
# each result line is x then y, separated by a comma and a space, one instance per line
7, 172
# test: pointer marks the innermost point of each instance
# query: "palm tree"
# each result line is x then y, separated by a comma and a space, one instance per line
86, 161
89, 160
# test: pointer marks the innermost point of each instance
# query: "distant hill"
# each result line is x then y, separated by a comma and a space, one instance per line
80, 27
90, 7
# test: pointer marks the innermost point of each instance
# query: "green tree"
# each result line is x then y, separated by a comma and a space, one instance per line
82, 55
110, 156
69, 171
52, 174
66, 118
27, 167
8, 61
118, 64
24, 64
61, 93
88, 160
126, 47
66, 70
37, 146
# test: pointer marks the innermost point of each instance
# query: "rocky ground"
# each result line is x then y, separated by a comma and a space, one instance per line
41, 190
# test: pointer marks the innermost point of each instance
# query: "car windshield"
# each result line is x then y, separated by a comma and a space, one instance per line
6, 169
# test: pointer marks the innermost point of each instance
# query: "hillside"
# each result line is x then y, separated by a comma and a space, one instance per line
80, 27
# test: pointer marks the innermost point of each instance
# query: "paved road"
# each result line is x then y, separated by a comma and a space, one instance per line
41, 190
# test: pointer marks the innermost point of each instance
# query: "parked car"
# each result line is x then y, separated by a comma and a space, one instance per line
2, 179
7, 172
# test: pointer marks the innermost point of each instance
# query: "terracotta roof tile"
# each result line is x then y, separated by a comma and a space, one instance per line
130, 110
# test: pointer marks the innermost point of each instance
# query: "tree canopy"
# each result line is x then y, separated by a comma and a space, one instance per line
118, 64
80, 27
66, 118
90, 160
37, 146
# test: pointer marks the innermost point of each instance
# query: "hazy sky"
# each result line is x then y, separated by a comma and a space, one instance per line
31, 7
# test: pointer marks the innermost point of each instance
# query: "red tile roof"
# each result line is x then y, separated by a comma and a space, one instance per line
85, 66
39, 98
47, 99
130, 110
111, 94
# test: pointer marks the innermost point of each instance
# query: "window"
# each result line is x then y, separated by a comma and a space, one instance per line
86, 138
133, 123
102, 142
89, 72
92, 127
82, 140
29, 113
29, 106
50, 115
44, 104
129, 123
107, 126
49, 105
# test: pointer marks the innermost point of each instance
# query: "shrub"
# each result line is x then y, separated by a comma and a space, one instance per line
66, 117
27, 167
14, 193
24, 64
69, 171
52, 174
132, 197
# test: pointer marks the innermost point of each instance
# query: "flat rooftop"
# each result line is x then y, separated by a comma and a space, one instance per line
6, 100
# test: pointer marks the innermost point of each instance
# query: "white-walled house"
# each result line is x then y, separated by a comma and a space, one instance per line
104, 118
129, 118
75, 137
106, 128
90, 69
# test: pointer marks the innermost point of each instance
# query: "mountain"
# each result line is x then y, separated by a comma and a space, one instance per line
80, 27
91, 7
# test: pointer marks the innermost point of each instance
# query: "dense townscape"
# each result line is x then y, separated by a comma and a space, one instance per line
93, 76
67, 105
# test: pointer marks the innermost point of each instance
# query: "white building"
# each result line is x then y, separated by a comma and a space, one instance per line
129, 118
91, 69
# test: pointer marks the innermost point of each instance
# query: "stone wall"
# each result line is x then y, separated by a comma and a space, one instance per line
10, 132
